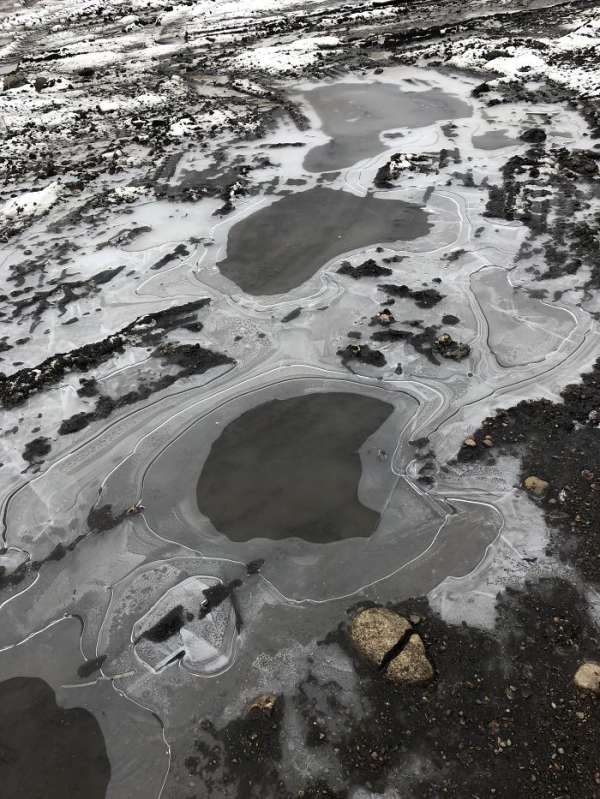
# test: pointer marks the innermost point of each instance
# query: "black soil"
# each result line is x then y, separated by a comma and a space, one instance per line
501, 717
558, 443
368, 268
281, 246
46, 751
291, 468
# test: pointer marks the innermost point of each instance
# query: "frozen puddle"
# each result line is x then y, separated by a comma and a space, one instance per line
521, 328
281, 246
307, 486
355, 116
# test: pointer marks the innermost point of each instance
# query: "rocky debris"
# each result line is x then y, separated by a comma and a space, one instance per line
384, 317
404, 162
362, 353
587, 677
422, 341
535, 485
387, 640
18, 387
62, 294
447, 347
264, 704
533, 135
192, 359
583, 163
423, 298
368, 268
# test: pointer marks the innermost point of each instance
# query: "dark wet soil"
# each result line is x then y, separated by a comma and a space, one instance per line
47, 752
355, 114
281, 246
423, 298
291, 468
501, 717
558, 443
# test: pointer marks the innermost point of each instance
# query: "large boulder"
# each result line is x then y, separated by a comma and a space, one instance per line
374, 632
377, 632
411, 665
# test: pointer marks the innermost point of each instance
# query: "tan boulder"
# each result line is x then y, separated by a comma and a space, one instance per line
535, 485
411, 665
587, 677
374, 634
377, 630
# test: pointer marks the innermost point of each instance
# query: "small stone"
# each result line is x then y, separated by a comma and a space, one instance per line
587, 677
265, 703
587, 475
535, 485
488, 442
469, 442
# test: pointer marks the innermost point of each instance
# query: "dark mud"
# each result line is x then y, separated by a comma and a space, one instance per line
423, 298
369, 268
361, 353
47, 752
281, 246
192, 359
355, 114
501, 717
291, 468
560, 444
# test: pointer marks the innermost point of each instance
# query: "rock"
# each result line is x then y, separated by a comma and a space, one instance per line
535, 485
469, 442
533, 135
13, 80
385, 317
447, 347
265, 704
375, 631
587, 677
411, 665
488, 441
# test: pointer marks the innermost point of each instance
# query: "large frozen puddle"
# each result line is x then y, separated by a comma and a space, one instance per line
521, 329
281, 246
308, 448
355, 115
